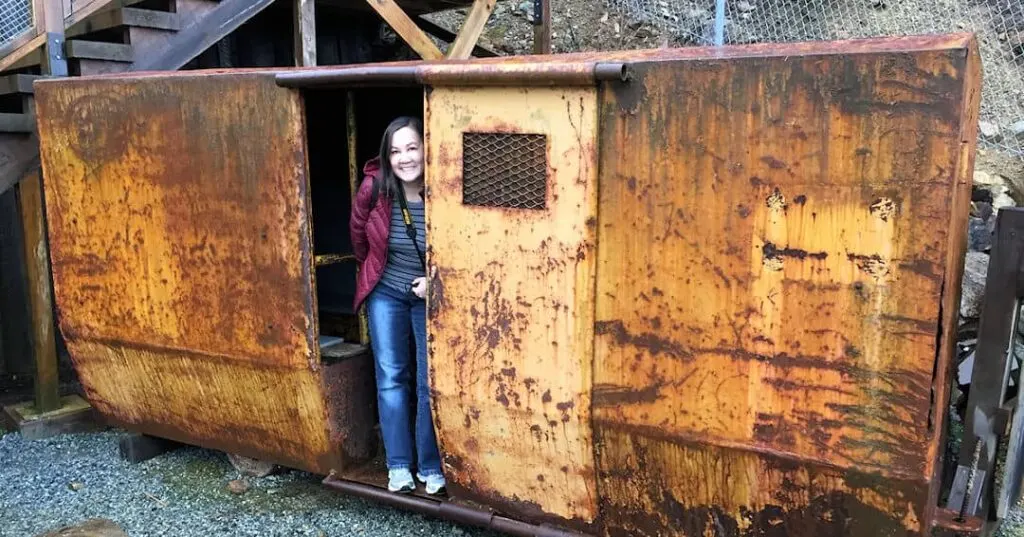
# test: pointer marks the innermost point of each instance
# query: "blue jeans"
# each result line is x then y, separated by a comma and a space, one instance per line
391, 315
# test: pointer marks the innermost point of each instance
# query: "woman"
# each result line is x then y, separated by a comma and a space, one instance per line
392, 282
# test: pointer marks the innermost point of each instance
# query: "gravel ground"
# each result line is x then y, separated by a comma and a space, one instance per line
184, 493
181, 493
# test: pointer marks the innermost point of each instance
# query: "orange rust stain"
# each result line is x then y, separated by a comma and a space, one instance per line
181, 257
517, 382
800, 311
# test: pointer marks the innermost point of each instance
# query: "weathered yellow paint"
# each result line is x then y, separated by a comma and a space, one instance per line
511, 317
733, 317
776, 237
180, 243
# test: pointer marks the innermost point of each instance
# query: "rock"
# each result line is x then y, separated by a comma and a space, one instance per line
1017, 129
250, 466
982, 210
979, 234
988, 129
997, 185
973, 284
982, 178
76, 486
237, 486
745, 6
1003, 199
94, 527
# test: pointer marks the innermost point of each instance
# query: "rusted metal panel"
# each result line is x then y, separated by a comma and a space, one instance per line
776, 238
511, 309
178, 218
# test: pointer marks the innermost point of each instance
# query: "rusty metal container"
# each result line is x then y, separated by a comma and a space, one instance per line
677, 292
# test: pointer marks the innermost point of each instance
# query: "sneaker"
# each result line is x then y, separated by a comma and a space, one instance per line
435, 482
400, 480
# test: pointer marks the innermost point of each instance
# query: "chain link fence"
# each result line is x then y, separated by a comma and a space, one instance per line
15, 19
999, 25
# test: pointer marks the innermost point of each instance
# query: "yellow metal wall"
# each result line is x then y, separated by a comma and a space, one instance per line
511, 313
181, 258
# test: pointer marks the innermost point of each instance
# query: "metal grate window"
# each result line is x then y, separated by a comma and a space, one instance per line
504, 170
15, 19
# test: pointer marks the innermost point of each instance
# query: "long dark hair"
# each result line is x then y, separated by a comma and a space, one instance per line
390, 186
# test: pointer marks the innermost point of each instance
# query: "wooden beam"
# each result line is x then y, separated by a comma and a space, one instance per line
542, 27
462, 48
354, 179
305, 33
97, 50
37, 260
17, 123
126, 16
19, 153
192, 41
15, 84
25, 47
82, 10
52, 25
407, 29
443, 34
136, 448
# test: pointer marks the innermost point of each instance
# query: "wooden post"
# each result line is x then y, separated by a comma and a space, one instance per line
353, 183
50, 21
44, 345
462, 48
404, 26
305, 33
542, 26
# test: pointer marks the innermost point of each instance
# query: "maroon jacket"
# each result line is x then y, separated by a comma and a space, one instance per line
369, 227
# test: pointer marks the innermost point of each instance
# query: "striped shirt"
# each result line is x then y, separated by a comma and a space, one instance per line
403, 264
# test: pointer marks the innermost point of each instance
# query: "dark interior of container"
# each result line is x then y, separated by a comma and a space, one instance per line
331, 186
348, 366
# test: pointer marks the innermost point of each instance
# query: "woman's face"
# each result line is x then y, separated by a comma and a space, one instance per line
407, 155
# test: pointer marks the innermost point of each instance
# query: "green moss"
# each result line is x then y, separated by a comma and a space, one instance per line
204, 479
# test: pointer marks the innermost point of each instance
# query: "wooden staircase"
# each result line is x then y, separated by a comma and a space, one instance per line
116, 40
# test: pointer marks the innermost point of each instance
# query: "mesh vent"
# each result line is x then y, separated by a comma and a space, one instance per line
15, 19
504, 170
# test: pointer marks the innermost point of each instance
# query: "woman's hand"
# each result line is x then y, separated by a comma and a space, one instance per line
419, 287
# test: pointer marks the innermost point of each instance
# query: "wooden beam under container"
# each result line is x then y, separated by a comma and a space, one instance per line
37, 261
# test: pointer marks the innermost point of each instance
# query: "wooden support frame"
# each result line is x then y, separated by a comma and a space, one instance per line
354, 178
462, 48
305, 33
37, 259
404, 26
136, 448
444, 35
542, 27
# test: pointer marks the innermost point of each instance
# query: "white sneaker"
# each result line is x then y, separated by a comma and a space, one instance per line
400, 480
435, 482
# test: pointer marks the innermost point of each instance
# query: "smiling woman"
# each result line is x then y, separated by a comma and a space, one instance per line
389, 240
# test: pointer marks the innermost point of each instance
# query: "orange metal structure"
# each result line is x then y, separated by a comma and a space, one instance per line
675, 292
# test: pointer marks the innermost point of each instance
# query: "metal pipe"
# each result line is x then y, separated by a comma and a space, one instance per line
447, 510
719, 23
460, 74
350, 76
613, 71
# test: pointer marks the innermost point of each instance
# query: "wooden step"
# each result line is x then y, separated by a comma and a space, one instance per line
16, 84
126, 17
17, 123
97, 50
